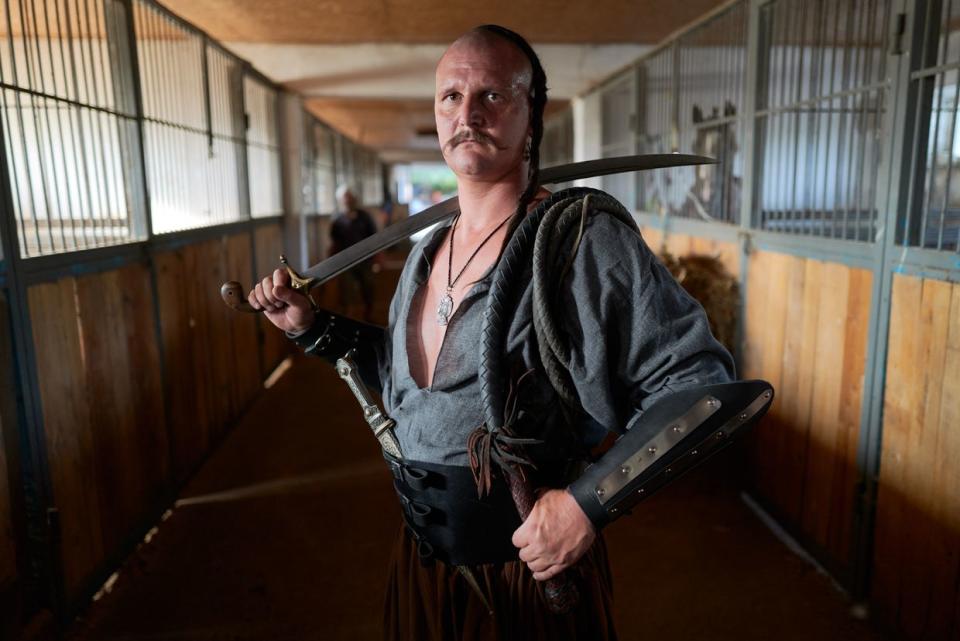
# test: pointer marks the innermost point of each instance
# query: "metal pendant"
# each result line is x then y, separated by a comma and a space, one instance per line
444, 309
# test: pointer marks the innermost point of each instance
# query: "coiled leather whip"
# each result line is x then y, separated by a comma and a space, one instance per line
536, 245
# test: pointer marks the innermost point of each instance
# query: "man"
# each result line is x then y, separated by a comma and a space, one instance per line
350, 227
465, 567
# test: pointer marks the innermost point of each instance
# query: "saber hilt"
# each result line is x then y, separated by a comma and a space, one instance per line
232, 292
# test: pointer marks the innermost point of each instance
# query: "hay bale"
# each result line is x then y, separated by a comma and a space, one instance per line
708, 281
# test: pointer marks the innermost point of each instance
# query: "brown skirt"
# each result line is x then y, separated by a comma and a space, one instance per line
435, 603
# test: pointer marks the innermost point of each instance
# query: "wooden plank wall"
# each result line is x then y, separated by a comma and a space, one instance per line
102, 401
212, 349
806, 331
120, 436
917, 541
683, 245
268, 245
10, 614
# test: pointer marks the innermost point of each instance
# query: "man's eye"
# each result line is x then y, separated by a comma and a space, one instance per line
450, 97
493, 96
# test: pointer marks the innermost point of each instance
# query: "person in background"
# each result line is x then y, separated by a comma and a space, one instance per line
350, 227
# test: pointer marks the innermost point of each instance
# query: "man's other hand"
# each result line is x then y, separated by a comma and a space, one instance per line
555, 535
283, 306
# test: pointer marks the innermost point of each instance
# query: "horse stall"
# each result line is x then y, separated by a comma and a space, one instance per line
144, 163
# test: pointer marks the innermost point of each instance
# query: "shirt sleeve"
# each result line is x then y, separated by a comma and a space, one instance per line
635, 334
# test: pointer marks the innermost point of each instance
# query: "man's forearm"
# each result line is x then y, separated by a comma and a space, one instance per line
674, 435
333, 335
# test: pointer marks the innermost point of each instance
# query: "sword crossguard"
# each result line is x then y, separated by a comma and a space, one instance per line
232, 292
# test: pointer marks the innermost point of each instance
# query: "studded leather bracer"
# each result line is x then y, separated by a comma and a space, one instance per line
677, 433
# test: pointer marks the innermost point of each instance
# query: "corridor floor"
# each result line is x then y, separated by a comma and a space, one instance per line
285, 534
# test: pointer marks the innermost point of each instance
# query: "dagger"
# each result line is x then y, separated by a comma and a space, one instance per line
233, 293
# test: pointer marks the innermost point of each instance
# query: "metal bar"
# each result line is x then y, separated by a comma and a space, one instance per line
205, 61
113, 92
818, 24
859, 154
52, 155
842, 181
60, 99
100, 154
799, 65
77, 129
121, 60
813, 102
779, 17
136, 94
878, 120
879, 94
828, 139
934, 18
919, 102
892, 169
241, 150
72, 136
152, 91
36, 135
113, 199
83, 117
935, 70
777, 153
946, 190
931, 160
859, 255
162, 95
20, 208
755, 85
177, 148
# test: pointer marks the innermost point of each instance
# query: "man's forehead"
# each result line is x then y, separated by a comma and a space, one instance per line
492, 58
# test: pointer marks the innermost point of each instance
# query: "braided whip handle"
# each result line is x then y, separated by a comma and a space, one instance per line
560, 592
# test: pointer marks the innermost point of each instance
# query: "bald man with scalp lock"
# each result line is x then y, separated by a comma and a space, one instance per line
464, 565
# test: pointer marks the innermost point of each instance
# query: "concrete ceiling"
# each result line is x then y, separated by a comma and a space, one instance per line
366, 66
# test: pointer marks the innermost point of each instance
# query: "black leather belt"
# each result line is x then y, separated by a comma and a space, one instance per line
446, 518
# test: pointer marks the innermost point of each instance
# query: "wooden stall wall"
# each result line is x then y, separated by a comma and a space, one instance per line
101, 398
680, 245
268, 245
211, 349
10, 601
805, 331
917, 542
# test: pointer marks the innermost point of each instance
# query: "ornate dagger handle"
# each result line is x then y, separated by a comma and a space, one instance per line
381, 425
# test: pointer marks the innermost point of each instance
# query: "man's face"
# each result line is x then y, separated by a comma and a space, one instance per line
482, 108
348, 200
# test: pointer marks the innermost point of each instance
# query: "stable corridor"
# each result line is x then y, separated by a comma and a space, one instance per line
285, 533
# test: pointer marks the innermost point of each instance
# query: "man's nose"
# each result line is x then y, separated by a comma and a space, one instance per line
471, 112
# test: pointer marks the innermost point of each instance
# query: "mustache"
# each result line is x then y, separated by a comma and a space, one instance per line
474, 135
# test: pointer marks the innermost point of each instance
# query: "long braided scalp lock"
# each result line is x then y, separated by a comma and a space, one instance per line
538, 101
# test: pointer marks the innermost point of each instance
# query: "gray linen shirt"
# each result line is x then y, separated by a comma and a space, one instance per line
636, 336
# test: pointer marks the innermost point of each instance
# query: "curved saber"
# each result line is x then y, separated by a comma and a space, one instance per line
234, 295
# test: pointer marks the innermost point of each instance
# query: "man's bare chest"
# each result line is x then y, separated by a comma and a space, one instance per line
431, 316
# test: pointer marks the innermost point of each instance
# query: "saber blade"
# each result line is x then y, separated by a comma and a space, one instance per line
234, 295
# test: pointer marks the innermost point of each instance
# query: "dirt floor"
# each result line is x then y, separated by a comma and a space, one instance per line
285, 534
